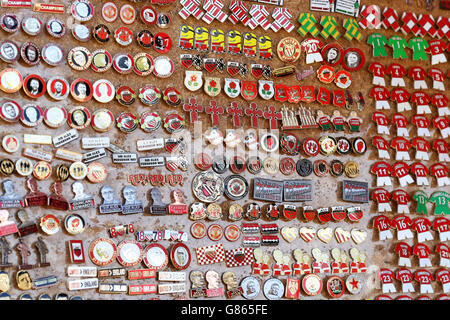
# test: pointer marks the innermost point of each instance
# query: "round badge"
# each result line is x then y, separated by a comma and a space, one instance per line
343, 79
197, 211
102, 120
32, 115
253, 211
353, 59
101, 60
129, 253
96, 172
143, 64
78, 170
74, 223
335, 286
104, 91
149, 95
321, 168
238, 164
123, 63
250, 287
235, 212
327, 145
24, 167
220, 164
273, 289
164, 67
30, 53
326, 74
289, 50
290, 144
62, 172
202, 161
101, 33
50, 224
254, 164
58, 88
34, 86
207, 186
336, 168
304, 167
353, 284
42, 170
148, 15
10, 80
172, 96
156, 256
31, 26
145, 39
312, 284
82, 10
81, 32
10, 111
173, 123
287, 166
271, 165
214, 211
232, 232
127, 14
351, 169
236, 187
163, 20
52, 54
10, 143
343, 145
7, 167
110, 12
311, 147
123, 36
127, 122
55, 116
162, 43
79, 58
198, 230
102, 251
269, 142
79, 117
9, 51
44, 296
150, 121
180, 256
81, 90
9, 22
359, 145
125, 95
332, 54
215, 232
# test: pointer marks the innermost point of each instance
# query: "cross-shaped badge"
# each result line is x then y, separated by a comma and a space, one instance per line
273, 117
193, 108
236, 112
254, 113
214, 110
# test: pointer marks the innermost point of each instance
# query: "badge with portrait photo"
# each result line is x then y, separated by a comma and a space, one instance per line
353, 59
34, 86
58, 88
81, 90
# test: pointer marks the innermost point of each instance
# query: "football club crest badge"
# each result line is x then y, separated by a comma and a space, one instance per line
249, 90
193, 80
212, 86
266, 89
232, 87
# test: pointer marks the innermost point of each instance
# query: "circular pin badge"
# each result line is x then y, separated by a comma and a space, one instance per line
150, 121
79, 58
145, 39
335, 286
58, 88
235, 212
9, 51
290, 144
173, 122
110, 11
31, 26
273, 289
359, 145
148, 15
127, 122
321, 168
214, 211
198, 230
254, 164
127, 14
34, 86
162, 43
172, 96
325, 74
52, 54
220, 164
238, 164
123, 63
232, 232
312, 284
343, 145
30, 53
143, 64
10, 143
62, 172
311, 147
327, 145
55, 116
10, 110
7, 167
81, 32
42, 170
102, 120
74, 223
253, 211
125, 95
149, 95
271, 165
353, 59
269, 142
44, 296
81, 90
123, 36
343, 79
9, 22
102, 251
180, 256
96, 172
50, 224
156, 256
207, 186
332, 54
197, 211
351, 169
289, 50
101, 33
163, 20
353, 284
287, 166
10, 80
215, 232
129, 253
236, 187
32, 115
56, 28
78, 170
24, 167
104, 91
164, 67
101, 60
82, 10
79, 117
202, 161
336, 168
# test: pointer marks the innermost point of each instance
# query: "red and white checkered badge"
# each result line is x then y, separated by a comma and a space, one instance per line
239, 257
210, 254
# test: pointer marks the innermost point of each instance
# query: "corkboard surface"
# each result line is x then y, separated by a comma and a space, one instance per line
327, 191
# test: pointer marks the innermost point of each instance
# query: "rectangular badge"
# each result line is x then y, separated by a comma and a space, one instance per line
292, 288
267, 190
251, 241
152, 144
65, 138
112, 288
171, 276
124, 157
115, 148
37, 138
171, 288
141, 289
78, 271
94, 155
76, 251
146, 162
239, 257
95, 142
112, 272
348, 7
37, 154
297, 190
82, 284
68, 155
44, 282
210, 254
48, 8
141, 274
355, 191
16, 3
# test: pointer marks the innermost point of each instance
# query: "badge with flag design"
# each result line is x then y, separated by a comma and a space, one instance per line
239, 257
210, 254
257, 70
210, 64
233, 68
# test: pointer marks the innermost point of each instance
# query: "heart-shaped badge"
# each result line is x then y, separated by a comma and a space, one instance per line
289, 233
358, 236
307, 233
325, 235
341, 235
